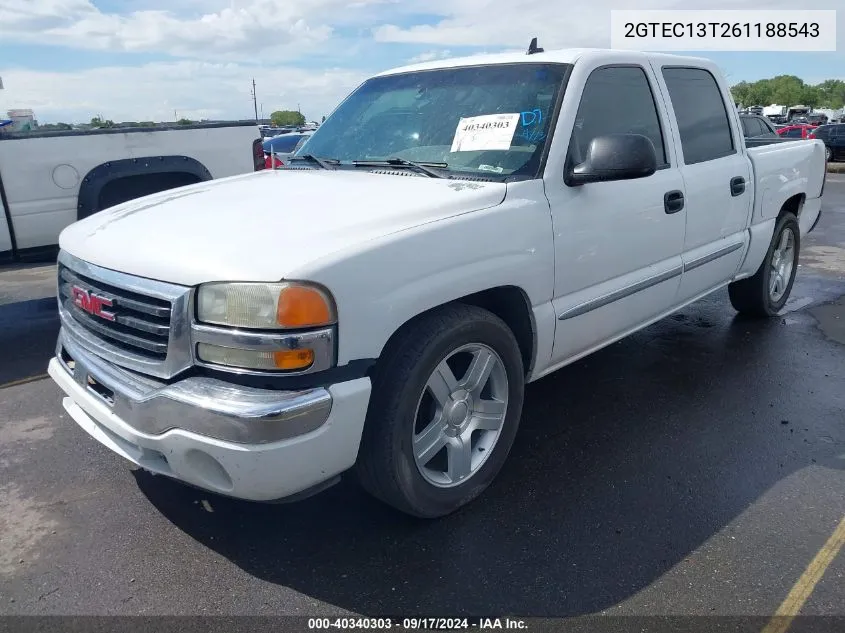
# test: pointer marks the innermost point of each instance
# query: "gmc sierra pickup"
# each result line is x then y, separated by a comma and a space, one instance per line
453, 231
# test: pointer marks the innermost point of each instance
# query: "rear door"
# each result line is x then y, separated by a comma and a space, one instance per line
716, 174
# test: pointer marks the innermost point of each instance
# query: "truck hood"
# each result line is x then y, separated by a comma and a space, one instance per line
263, 226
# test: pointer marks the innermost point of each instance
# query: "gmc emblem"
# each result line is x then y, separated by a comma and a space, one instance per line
91, 303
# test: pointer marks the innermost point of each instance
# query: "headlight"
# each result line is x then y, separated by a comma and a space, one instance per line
265, 306
285, 326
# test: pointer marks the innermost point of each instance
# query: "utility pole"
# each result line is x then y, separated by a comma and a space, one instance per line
254, 100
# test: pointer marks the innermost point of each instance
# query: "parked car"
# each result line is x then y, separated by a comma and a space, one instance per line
817, 119
758, 130
49, 180
279, 149
459, 228
833, 137
796, 131
754, 126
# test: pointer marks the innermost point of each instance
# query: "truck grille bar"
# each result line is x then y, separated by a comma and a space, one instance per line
141, 324
132, 321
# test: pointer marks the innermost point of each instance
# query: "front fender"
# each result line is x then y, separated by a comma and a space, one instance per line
389, 281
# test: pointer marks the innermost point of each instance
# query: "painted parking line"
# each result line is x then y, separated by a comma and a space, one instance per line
24, 381
802, 589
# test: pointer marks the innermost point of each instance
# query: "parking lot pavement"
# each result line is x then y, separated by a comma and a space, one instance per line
28, 321
697, 467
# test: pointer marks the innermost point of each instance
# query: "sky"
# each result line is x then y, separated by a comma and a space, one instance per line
141, 60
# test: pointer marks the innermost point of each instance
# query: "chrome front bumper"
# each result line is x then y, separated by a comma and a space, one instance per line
204, 406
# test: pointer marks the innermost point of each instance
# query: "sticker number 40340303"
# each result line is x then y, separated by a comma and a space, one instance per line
496, 131
485, 132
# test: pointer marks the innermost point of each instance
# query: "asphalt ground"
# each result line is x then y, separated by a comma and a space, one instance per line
697, 467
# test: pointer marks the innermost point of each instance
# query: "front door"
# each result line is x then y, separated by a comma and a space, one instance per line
617, 244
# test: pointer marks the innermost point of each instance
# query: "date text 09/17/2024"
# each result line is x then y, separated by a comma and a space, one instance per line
417, 624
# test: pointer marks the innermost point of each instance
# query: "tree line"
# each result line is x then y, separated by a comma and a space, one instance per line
789, 90
279, 118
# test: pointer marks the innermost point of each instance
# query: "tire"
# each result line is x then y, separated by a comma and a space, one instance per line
828, 154
754, 296
403, 405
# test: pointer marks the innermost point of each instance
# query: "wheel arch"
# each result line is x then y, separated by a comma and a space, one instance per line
509, 303
793, 204
96, 180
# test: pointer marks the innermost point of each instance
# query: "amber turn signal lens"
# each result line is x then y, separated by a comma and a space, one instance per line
293, 359
303, 306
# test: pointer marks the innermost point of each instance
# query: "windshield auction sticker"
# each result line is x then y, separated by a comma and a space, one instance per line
485, 132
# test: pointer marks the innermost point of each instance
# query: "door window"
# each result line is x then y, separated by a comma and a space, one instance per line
616, 100
700, 110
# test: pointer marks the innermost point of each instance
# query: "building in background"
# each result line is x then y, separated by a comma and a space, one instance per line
22, 120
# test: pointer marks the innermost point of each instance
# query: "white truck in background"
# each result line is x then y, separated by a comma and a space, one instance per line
452, 232
49, 180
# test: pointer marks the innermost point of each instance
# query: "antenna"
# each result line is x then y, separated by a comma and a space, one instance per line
533, 48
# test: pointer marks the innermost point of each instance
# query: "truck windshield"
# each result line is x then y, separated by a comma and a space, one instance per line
485, 120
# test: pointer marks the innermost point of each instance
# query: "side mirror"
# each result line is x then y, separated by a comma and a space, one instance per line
615, 157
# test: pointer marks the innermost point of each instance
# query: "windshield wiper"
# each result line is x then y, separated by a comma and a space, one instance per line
422, 167
325, 163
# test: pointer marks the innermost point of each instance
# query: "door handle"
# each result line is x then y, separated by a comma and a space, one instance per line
673, 201
737, 186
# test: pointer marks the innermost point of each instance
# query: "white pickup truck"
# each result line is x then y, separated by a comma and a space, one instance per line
51, 179
453, 231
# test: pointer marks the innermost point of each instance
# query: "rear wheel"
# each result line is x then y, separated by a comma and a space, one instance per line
768, 290
447, 398
828, 154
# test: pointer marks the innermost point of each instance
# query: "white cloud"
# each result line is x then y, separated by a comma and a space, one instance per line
240, 29
217, 46
193, 89
430, 56
515, 22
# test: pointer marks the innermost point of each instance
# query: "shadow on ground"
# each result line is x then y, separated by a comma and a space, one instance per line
625, 463
28, 332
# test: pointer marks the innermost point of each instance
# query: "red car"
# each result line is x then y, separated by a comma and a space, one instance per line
797, 131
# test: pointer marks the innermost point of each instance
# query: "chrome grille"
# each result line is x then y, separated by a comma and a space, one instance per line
131, 321
141, 324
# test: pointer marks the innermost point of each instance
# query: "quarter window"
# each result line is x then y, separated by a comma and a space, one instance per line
616, 100
700, 111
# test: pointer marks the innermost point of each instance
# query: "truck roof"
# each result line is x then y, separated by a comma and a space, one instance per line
560, 56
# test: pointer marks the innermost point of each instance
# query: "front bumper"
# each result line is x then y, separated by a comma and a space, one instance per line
248, 443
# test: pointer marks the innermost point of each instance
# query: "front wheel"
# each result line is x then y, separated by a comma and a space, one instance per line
445, 406
768, 290
828, 154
